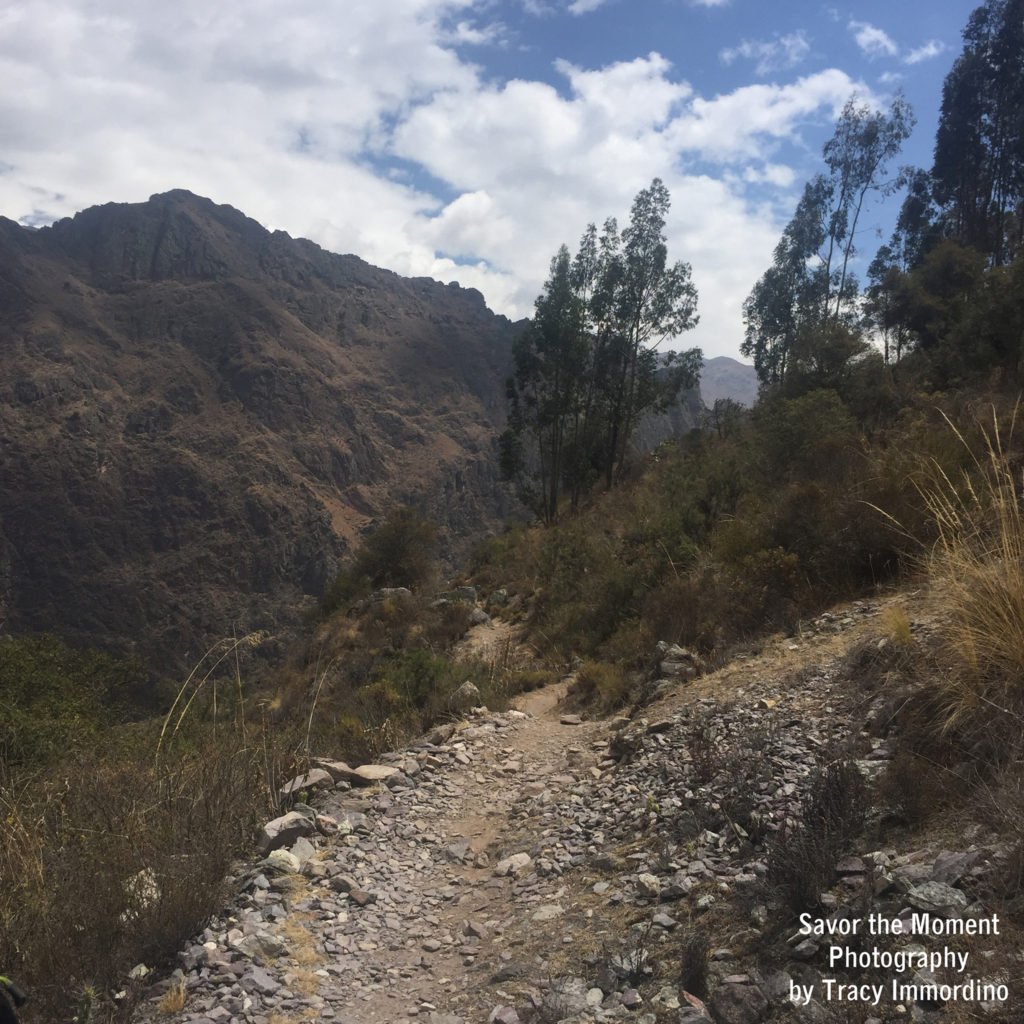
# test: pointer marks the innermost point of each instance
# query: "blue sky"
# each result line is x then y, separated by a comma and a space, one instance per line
463, 140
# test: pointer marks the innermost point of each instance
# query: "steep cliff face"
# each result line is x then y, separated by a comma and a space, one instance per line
198, 416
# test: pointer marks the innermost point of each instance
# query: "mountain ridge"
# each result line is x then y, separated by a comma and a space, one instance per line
201, 417
199, 410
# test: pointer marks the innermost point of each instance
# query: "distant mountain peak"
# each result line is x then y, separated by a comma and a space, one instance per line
725, 377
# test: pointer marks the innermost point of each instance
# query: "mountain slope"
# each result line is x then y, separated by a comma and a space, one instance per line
723, 377
198, 416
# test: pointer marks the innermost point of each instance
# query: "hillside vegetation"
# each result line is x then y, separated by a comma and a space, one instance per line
884, 448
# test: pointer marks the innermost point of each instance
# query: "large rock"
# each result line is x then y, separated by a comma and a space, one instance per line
367, 774
339, 771
466, 696
315, 779
738, 1004
284, 831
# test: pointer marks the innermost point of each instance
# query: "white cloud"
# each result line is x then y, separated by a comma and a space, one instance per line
464, 33
585, 6
709, 3
926, 52
873, 41
746, 123
776, 54
771, 174
362, 127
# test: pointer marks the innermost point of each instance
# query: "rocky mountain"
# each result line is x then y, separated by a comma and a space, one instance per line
198, 416
723, 377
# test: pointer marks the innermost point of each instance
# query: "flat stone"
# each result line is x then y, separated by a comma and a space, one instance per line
938, 898
367, 774
547, 913
317, 778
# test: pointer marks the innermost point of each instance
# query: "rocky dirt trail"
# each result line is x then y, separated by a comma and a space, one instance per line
529, 865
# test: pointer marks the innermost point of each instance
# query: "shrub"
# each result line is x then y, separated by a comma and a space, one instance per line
694, 956
120, 865
606, 686
401, 552
802, 859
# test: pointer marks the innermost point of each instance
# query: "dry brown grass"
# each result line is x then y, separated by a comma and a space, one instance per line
978, 565
303, 981
896, 625
301, 942
173, 1000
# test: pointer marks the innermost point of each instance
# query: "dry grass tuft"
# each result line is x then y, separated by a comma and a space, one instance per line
977, 563
896, 624
303, 981
173, 1000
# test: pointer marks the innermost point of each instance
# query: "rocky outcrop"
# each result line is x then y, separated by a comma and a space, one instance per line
200, 416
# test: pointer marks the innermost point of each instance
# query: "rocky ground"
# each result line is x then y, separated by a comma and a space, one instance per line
534, 865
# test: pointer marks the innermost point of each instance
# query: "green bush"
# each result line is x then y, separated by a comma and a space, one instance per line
54, 699
401, 552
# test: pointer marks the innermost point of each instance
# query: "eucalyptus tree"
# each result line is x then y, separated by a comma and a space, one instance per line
802, 314
979, 144
587, 367
642, 301
547, 392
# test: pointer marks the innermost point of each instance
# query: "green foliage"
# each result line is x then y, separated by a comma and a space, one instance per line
586, 369
979, 145
801, 316
54, 699
401, 552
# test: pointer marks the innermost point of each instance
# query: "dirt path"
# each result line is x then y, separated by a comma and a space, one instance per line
410, 912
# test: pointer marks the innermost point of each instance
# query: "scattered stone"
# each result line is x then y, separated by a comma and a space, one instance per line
367, 774
517, 865
285, 830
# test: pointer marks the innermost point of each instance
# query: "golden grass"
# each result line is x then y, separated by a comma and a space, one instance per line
301, 941
977, 564
173, 1000
896, 624
303, 981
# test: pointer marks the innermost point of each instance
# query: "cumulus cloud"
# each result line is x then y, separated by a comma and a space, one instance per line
585, 6
746, 123
365, 128
926, 52
770, 55
874, 42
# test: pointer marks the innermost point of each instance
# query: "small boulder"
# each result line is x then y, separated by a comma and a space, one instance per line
466, 696
285, 830
313, 780
517, 865
367, 774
